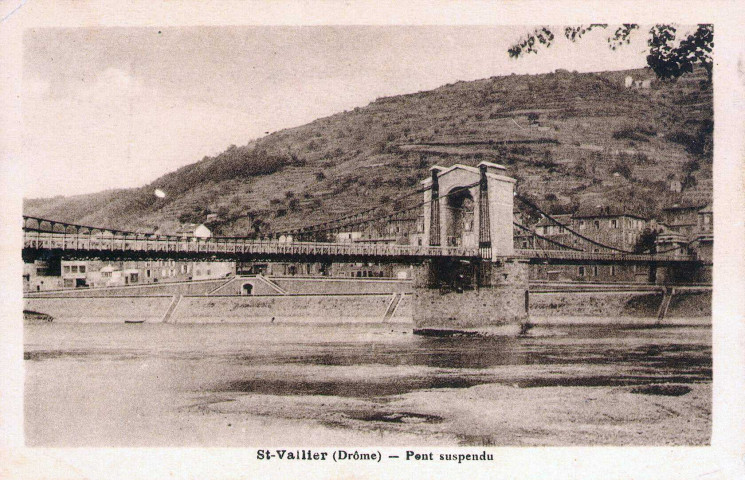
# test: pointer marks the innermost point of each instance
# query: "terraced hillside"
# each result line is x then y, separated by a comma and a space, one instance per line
571, 140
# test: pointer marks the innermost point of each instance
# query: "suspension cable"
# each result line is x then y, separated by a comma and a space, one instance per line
381, 217
310, 228
522, 227
594, 242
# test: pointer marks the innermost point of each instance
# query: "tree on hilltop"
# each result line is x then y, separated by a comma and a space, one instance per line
669, 57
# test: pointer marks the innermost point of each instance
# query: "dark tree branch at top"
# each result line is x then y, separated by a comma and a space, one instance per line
667, 58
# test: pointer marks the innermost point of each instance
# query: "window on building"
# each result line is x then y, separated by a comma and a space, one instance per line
82, 269
581, 271
597, 224
66, 269
74, 268
581, 224
69, 282
614, 223
595, 271
209, 272
147, 273
612, 270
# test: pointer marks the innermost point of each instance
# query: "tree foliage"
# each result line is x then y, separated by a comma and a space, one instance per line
646, 241
669, 57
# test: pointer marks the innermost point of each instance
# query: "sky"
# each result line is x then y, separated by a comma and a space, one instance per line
118, 107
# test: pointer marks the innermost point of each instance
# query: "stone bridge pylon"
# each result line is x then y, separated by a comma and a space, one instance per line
470, 207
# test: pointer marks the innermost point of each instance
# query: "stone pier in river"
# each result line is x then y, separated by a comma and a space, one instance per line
470, 207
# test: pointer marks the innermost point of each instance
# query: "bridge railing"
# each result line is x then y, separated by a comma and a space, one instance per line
599, 256
217, 245
131, 242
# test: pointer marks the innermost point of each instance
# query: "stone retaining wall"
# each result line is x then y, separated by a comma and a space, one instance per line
608, 307
403, 313
197, 287
101, 309
307, 285
545, 308
282, 308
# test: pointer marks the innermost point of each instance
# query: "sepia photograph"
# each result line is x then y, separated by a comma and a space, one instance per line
293, 238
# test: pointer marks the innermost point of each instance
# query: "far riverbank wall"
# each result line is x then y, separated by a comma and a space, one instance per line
370, 301
350, 308
687, 307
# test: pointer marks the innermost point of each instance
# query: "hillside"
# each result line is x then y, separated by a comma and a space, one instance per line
572, 140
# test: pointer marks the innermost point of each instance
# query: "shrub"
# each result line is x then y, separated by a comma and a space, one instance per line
629, 134
698, 144
622, 169
549, 164
648, 130
521, 150
642, 159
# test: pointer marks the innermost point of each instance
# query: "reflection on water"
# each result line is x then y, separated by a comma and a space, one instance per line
367, 360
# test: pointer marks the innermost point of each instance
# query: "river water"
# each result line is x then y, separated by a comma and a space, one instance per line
238, 384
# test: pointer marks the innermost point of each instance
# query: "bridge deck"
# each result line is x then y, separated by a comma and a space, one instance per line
570, 255
87, 244
239, 247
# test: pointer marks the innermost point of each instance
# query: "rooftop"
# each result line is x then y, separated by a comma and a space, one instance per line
605, 211
563, 218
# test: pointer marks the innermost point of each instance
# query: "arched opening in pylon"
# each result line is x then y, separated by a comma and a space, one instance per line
459, 218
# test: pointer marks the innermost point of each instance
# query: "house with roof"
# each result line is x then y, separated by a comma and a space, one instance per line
691, 228
706, 219
607, 225
610, 225
682, 218
194, 230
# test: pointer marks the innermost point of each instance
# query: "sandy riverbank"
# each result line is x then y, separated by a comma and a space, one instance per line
282, 385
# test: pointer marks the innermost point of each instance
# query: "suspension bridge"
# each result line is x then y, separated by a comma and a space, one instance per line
45, 237
463, 242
